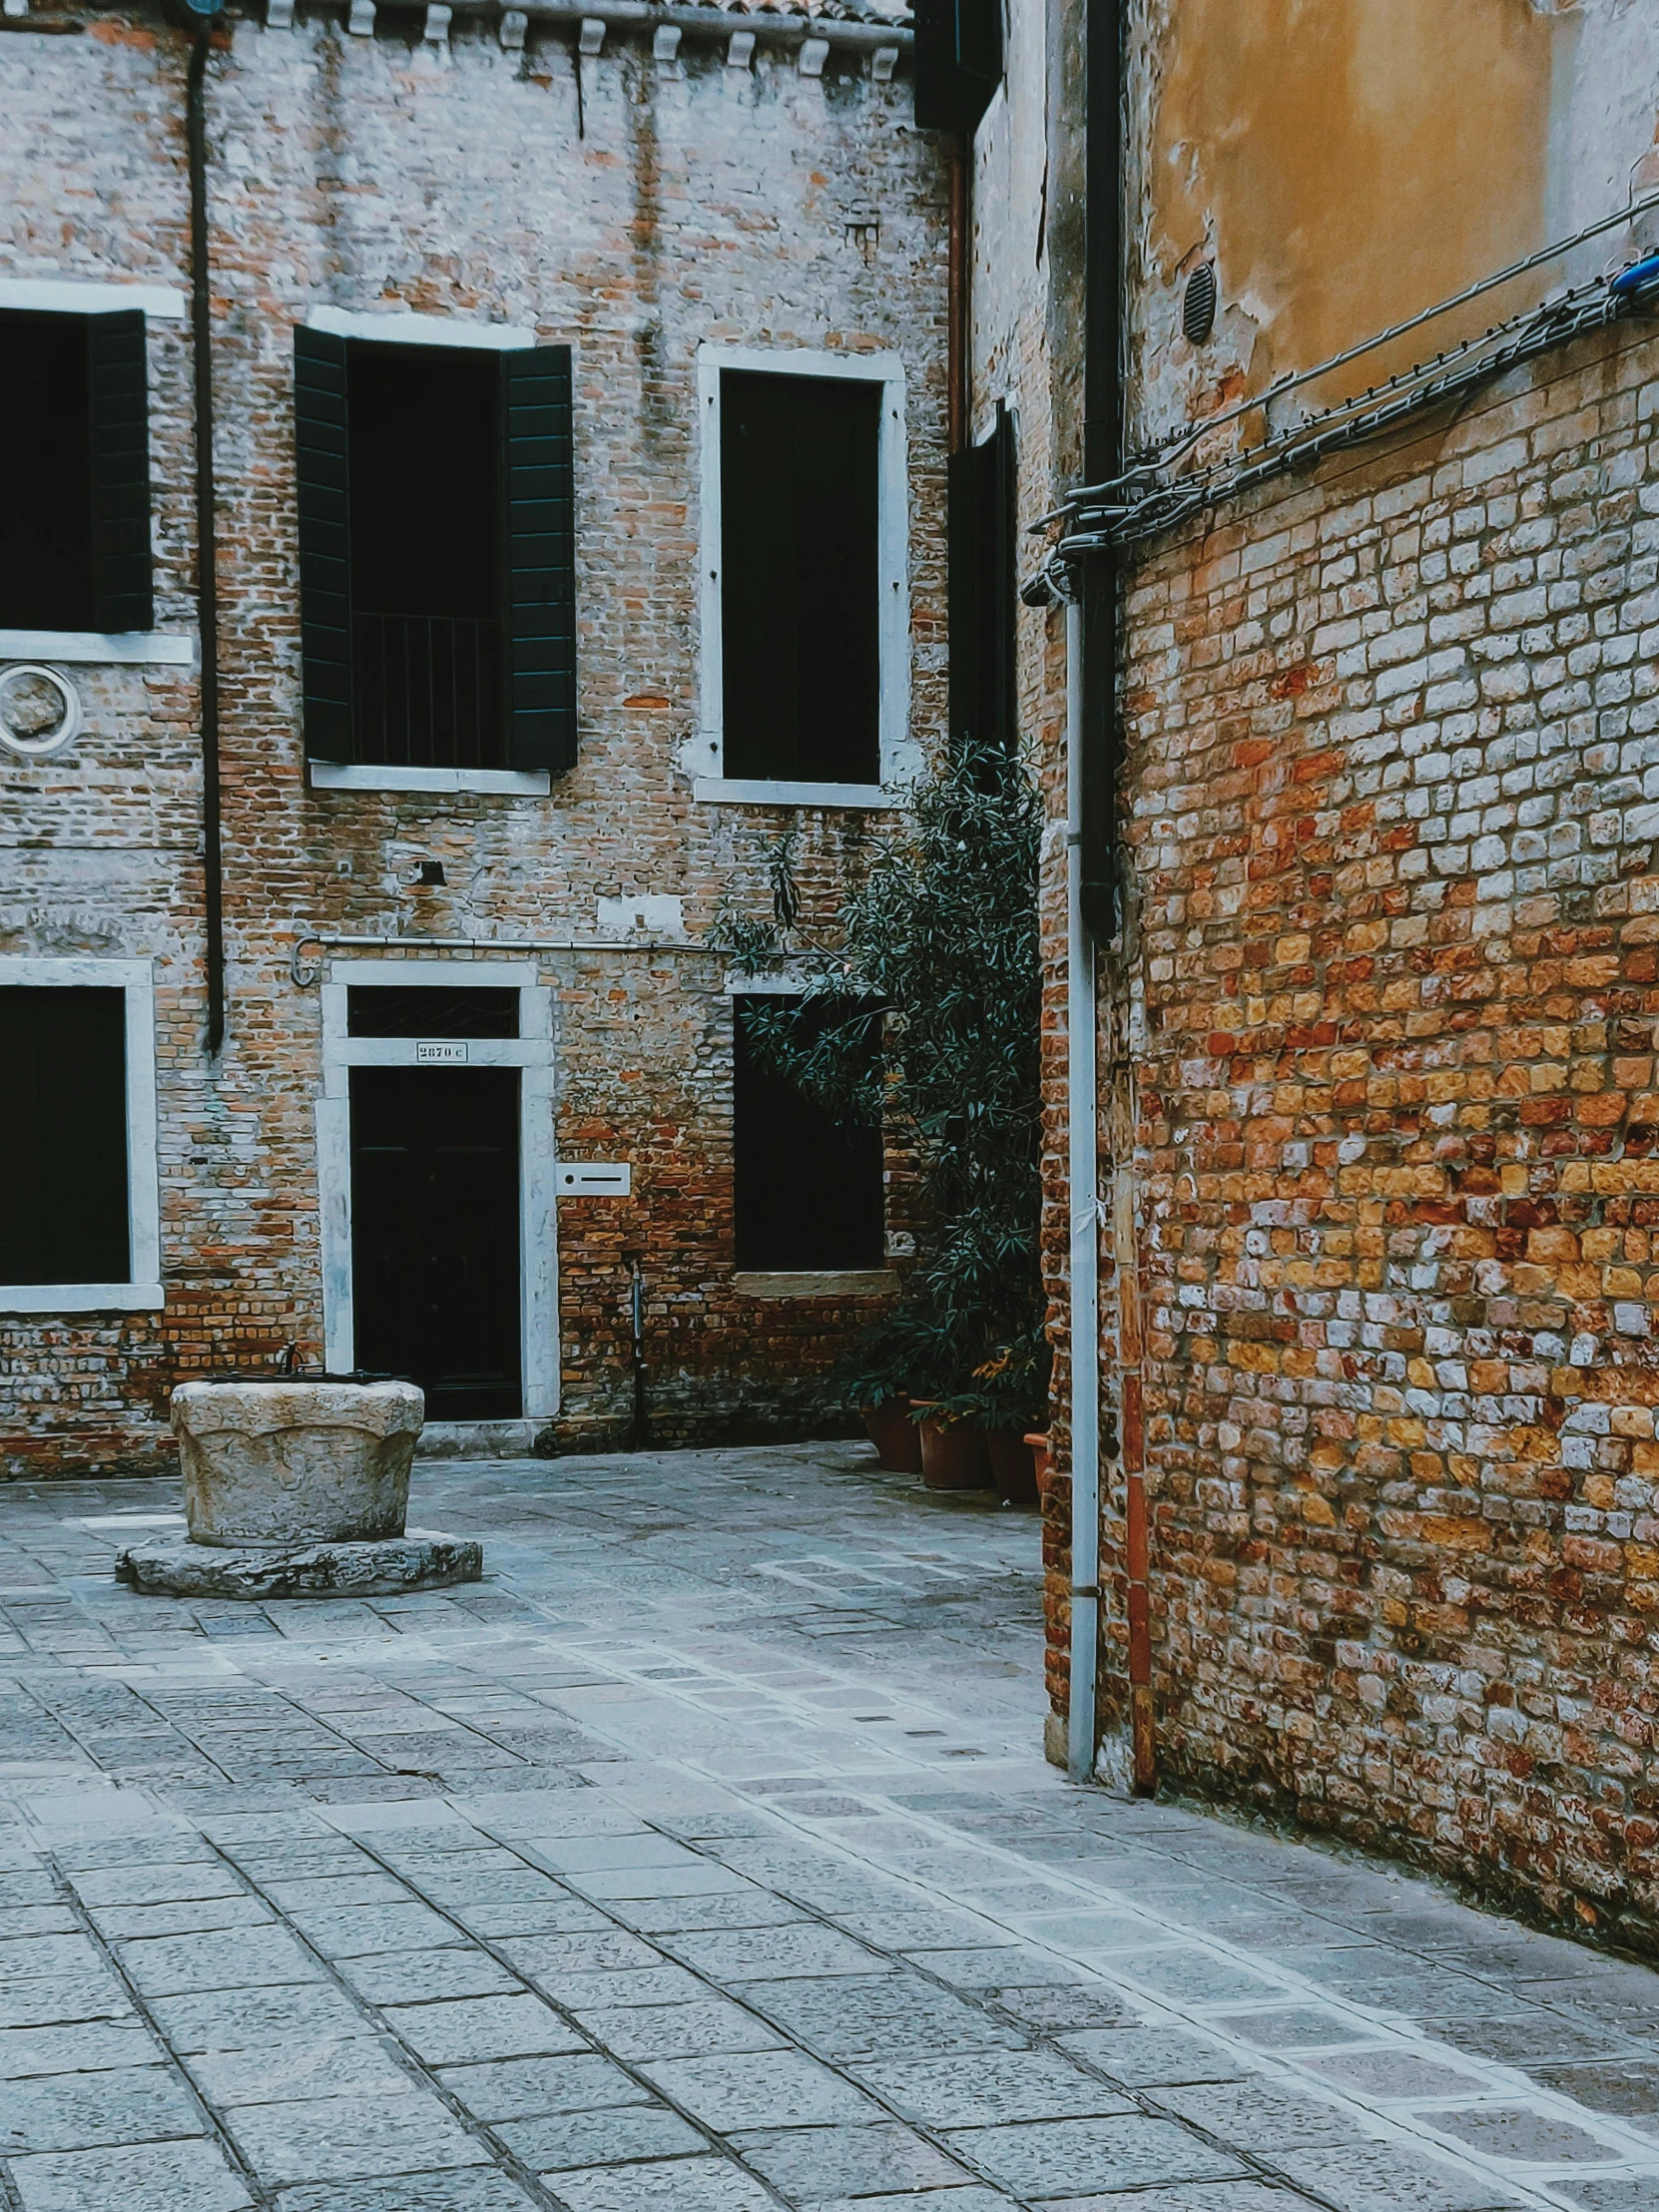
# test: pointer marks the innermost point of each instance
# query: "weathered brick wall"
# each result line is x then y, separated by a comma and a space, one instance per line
672, 205
1395, 762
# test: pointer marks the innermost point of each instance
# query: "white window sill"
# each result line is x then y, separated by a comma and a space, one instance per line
507, 783
81, 1297
83, 295
728, 790
133, 648
820, 1283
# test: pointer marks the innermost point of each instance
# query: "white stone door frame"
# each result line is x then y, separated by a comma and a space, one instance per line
531, 1052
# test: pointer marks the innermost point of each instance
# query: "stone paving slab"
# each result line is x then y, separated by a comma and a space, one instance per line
702, 1858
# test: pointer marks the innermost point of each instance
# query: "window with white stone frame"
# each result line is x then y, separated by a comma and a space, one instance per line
75, 525
439, 603
79, 1211
804, 578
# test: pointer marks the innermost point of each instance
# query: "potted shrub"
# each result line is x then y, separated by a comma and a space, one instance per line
941, 935
1006, 1395
880, 1387
954, 1448
898, 1441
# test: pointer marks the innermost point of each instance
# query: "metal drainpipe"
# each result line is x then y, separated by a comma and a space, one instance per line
1095, 755
206, 572
1082, 1184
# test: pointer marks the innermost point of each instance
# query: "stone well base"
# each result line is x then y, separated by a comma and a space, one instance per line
421, 1560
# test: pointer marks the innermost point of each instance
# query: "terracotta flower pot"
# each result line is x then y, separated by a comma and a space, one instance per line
1042, 1465
954, 1454
1012, 1465
895, 1434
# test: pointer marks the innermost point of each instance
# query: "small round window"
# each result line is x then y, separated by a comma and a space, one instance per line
40, 711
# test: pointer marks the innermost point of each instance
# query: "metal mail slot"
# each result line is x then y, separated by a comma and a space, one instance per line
612, 1178
441, 1055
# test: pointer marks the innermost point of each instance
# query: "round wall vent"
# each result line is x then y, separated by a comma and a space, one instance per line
1198, 306
40, 711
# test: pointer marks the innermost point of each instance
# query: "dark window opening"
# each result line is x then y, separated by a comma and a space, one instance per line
809, 1193
74, 519
62, 1136
958, 61
430, 1011
426, 545
46, 520
437, 553
982, 586
800, 587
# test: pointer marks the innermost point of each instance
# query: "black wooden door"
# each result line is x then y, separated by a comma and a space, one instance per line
434, 1234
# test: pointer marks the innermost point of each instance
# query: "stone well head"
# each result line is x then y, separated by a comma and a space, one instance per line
297, 1461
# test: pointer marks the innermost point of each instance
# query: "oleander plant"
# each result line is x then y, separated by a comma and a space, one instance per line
938, 938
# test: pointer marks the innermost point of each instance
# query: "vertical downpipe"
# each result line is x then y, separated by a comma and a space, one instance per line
1082, 1186
207, 571
1095, 758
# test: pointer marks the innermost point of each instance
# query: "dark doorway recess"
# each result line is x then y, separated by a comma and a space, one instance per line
800, 588
808, 1191
434, 1234
62, 1136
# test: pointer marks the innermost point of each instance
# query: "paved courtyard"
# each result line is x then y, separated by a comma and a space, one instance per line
704, 1858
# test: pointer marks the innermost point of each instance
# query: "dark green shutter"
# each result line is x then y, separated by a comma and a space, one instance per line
958, 61
539, 479
117, 443
981, 588
322, 468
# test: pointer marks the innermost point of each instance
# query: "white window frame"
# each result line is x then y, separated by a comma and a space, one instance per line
899, 757
531, 1051
116, 648
405, 327
143, 1292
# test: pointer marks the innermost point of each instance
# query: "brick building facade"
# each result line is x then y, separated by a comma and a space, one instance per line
1370, 1094
679, 202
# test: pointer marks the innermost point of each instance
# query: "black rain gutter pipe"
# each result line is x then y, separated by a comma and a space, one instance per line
1091, 771
206, 555
1102, 453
